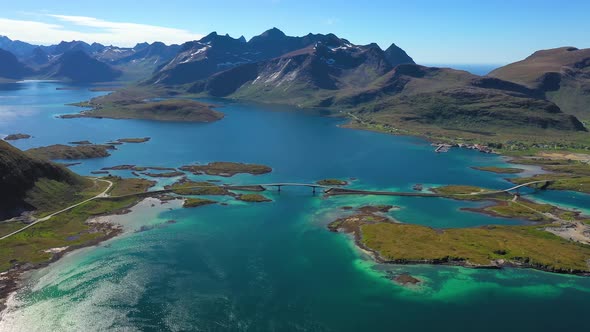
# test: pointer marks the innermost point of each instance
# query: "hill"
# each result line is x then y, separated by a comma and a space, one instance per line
78, 66
562, 74
338, 75
28, 183
10, 67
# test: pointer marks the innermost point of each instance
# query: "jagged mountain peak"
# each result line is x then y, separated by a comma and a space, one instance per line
397, 56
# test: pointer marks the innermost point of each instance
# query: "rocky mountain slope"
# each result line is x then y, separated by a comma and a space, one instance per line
561, 74
216, 53
336, 74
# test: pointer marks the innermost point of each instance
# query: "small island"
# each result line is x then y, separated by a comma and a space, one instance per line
332, 182
67, 152
499, 170
188, 187
86, 142
134, 140
196, 202
14, 137
253, 198
226, 169
164, 175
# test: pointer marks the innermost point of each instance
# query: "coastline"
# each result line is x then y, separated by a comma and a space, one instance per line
14, 279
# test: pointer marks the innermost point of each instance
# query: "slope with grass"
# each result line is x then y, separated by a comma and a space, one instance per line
406, 99
28, 183
562, 74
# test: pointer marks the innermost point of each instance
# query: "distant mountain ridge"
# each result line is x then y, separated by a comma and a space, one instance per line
10, 67
68, 66
215, 53
132, 63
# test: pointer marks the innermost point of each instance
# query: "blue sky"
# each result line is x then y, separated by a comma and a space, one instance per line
432, 32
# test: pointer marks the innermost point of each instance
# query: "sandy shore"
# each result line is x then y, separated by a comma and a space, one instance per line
112, 225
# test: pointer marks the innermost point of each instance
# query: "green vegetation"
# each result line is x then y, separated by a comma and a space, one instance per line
546, 71
500, 170
332, 182
50, 195
130, 186
505, 205
525, 245
469, 193
66, 152
567, 174
254, 198
439, 103
560, 182
69, 229
522, 210
227, 169
133, 103
165, 174
64, 230
195, 202
25, 179
187, 187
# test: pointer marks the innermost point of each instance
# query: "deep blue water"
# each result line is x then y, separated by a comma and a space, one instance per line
273, 266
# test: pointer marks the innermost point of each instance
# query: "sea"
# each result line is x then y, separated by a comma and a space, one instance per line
274, 266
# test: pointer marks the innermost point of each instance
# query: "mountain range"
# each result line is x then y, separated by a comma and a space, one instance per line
67, 60
166, 64
384, 88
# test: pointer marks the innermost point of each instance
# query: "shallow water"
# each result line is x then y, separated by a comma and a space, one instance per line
273, 266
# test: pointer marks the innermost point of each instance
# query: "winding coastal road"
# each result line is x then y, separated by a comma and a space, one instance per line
101, 195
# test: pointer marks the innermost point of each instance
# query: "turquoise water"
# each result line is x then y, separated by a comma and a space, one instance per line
273, 266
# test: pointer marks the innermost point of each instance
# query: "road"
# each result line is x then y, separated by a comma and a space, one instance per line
103, 194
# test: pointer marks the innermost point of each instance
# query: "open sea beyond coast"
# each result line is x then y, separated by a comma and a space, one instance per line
273, 266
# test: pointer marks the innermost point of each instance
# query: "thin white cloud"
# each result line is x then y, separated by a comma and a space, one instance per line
105, 32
